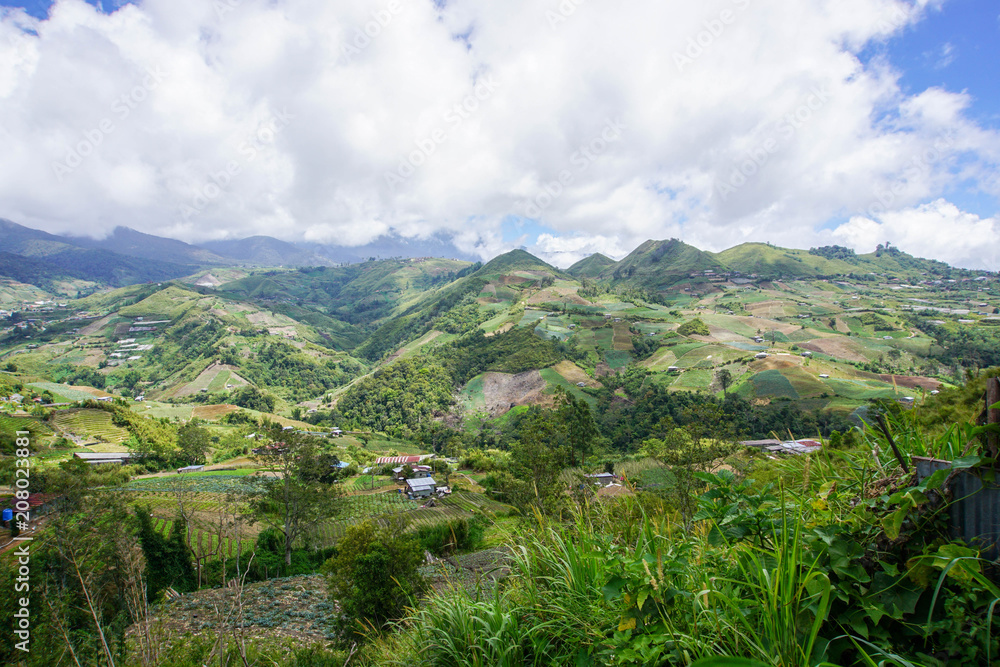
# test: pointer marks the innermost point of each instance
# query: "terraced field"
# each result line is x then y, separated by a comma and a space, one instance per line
90, 425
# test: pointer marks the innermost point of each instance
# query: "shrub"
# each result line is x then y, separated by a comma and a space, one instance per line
693, 327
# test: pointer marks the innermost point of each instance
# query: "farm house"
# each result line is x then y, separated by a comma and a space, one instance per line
423, 487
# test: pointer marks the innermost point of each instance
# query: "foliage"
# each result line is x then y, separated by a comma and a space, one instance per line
403, 394
296, 500
373, 577
168, 559
834, 252
446, 538
694, 327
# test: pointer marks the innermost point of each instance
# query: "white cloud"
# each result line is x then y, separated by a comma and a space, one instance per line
338, 122
937, 229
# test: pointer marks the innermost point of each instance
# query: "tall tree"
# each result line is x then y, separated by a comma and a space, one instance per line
725, 380
296, 496
581, 429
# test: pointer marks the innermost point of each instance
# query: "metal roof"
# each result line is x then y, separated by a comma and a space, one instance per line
96, 456
421, 483
397, 459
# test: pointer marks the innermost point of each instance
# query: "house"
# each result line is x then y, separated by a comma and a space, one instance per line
824, 375
98, 458
673, 369
603, 478
189, 469
807, 354
16, 398
421, 487
383, 460
419, 472
761, 355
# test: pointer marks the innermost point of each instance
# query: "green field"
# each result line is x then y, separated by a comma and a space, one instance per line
772, 384
90, 424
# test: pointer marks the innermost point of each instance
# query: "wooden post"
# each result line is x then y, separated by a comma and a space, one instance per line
992, 416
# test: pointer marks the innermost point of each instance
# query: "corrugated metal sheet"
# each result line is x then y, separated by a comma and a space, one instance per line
975, 507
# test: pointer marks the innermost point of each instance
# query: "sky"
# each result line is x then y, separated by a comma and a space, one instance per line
563, 126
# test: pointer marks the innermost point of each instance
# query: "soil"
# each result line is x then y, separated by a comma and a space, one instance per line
839, 348
912, 381
575, 374
503, 391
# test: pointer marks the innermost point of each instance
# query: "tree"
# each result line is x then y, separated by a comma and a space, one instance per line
725, 380
374, 576
537, 460
194, 441
296, 499
581, 429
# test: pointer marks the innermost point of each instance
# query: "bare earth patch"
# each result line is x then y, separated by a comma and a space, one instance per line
839, 348
94, 327
911, 381
213, 412
503, 391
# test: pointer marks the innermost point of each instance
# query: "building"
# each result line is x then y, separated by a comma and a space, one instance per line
419, 472
98, 458
403, 460
422, 487
603, 478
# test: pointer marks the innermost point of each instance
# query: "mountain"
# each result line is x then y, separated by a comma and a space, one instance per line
43, 259
390, 246
126, 241
590, 267
266, 251
656, 265
768, 261
515, 261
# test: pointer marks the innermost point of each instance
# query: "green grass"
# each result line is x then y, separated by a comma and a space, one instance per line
617, 359
554, 380
772, 384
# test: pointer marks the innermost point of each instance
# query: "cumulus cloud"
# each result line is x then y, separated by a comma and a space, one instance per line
716, 122
937, 229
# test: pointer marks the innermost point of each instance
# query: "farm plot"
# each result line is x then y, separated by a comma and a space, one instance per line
90, 425
661, 360
622, 339
617, 359
772, 384
554, 379
10, 424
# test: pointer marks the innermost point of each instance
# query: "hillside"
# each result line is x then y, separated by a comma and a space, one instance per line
125, 241
769, 261
265, 251
590, 267
657, 265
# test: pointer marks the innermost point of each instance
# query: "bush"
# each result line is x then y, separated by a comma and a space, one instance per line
446, 538
694, 327
373, 577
